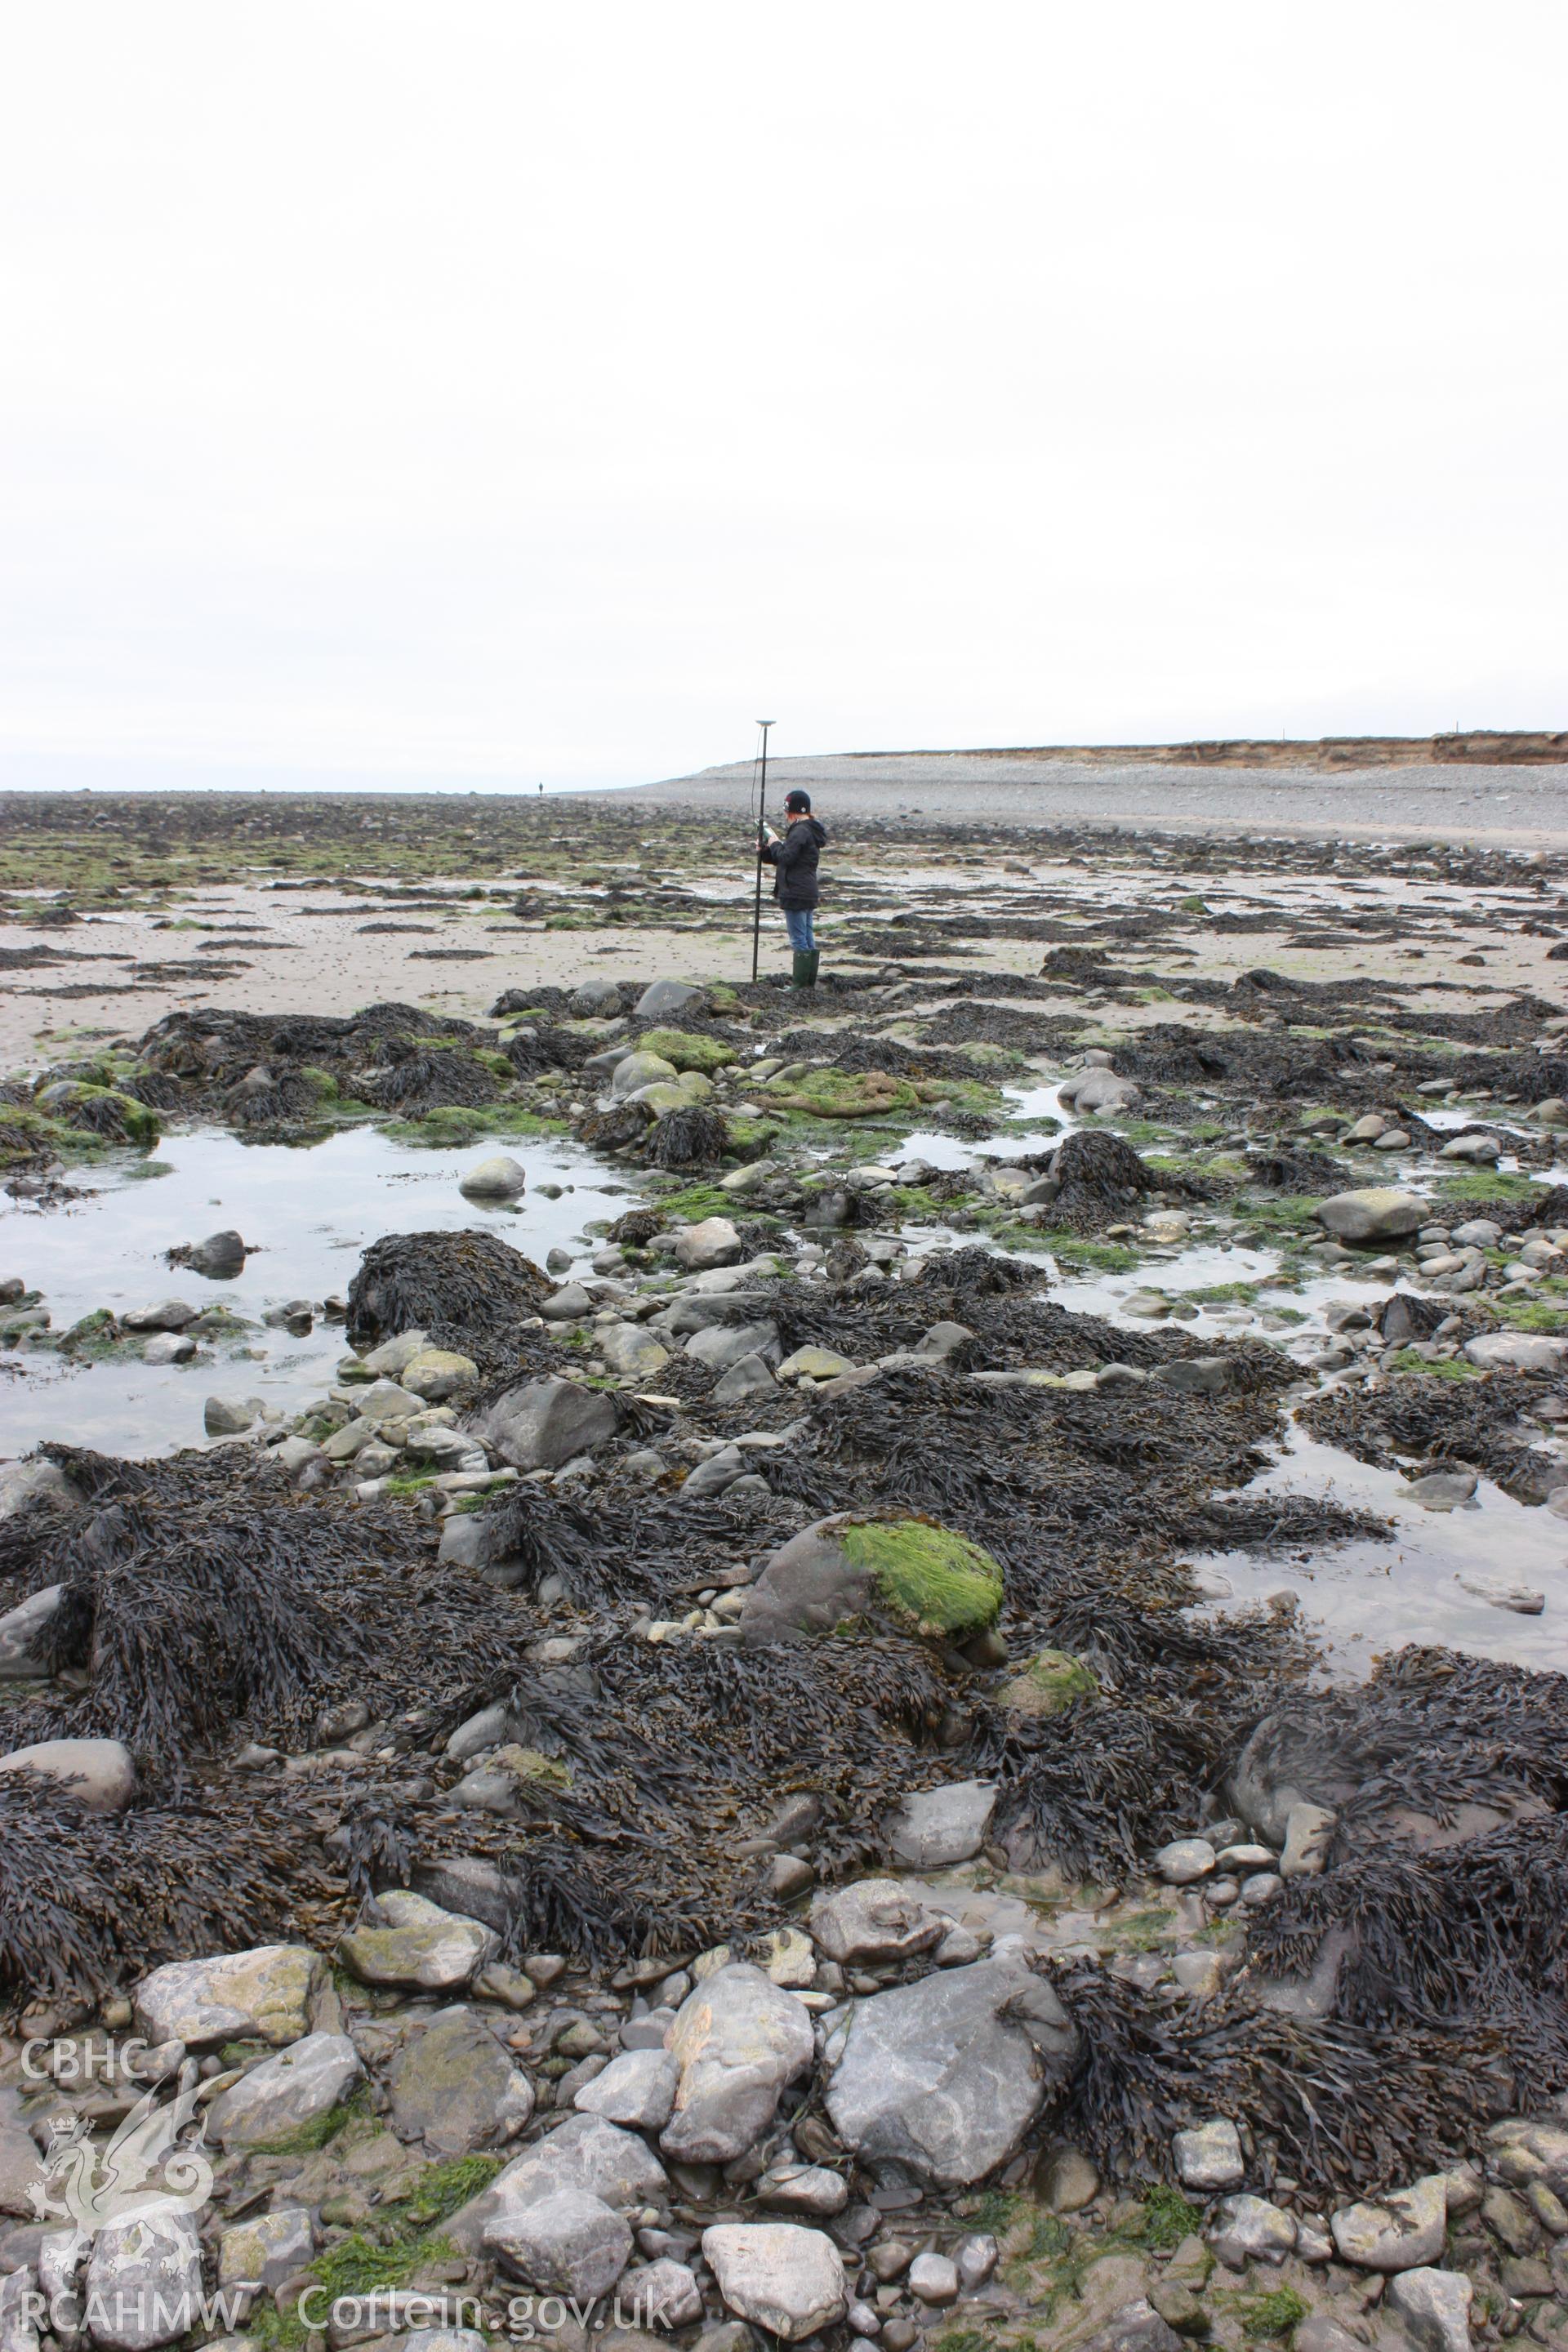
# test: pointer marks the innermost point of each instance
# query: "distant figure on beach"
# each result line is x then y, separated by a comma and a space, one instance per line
793, 857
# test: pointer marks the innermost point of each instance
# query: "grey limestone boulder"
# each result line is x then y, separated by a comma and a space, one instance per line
738, 2038
276, 2099
540, 1425
455, 2087
946, 2075
275, 1993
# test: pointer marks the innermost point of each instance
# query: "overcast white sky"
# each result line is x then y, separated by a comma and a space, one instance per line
480, 390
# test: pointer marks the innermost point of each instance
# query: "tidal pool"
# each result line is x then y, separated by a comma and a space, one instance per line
306, 1210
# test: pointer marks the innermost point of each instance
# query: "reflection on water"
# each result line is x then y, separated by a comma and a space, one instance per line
1368, 1597
308, 1211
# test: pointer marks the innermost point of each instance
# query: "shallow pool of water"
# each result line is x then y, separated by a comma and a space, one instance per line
1364, 1598
308, 1211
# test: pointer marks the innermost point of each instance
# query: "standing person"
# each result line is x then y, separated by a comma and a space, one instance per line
793, 859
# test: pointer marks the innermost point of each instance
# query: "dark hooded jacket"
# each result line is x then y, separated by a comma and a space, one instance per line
794, 860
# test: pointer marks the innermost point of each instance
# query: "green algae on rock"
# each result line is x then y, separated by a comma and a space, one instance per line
923, 1577
1050, 1683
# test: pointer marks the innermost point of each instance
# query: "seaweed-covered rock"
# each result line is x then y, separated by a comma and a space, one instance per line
99, 1775
25, 1632
686, 1051
1048, 1684
924, 1578
462, 1280
945, 2076
844, 1093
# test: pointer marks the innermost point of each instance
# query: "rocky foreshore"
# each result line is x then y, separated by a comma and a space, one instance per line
702, 1788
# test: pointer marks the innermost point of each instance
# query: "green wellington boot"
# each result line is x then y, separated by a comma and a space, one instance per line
805, 964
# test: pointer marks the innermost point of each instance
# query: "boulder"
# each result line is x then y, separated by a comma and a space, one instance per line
1137, 2326
276, 2100
438, 1373
1099, 1090
570, 1304
1284, 1764
1380, 1213
144, 2280
584, 2152
220, 1257
627, 1347
25, 1632
1209, 2155
1520, 1351
747, 1378
663, 997
170, 1347
938, 1827
1400, 2230
455, 2087
540, 1425
945, 2076
1048, 1684
711, 1242
227, 1416
595, 999
816, 1364
635, 1071
1434, 2306
876, 1919
928, 1579
569, 2243
405, 1939
266, 2250
386, 1362
1184, 1860
664, 2295
1251, 2229
777, 2276
720, 1345
738, 2038
26, 1482
275, 1993
99, 1775
636, 2088
500, 1178
165, 1315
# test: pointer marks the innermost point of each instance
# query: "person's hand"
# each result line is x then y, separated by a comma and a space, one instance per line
769, 834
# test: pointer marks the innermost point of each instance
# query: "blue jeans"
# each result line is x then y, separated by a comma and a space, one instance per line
799, 921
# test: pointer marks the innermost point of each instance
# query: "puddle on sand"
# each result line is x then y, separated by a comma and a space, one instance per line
309, 1210
1365, 1598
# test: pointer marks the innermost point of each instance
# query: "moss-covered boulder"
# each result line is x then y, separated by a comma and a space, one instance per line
104, 1111
910, 1573
687, 1052
1048, 1684
843, 1094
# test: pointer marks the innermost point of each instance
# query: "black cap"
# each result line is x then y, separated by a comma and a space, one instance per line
797, 803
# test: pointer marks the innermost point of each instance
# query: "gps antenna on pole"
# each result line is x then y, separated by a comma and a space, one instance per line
762, 803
